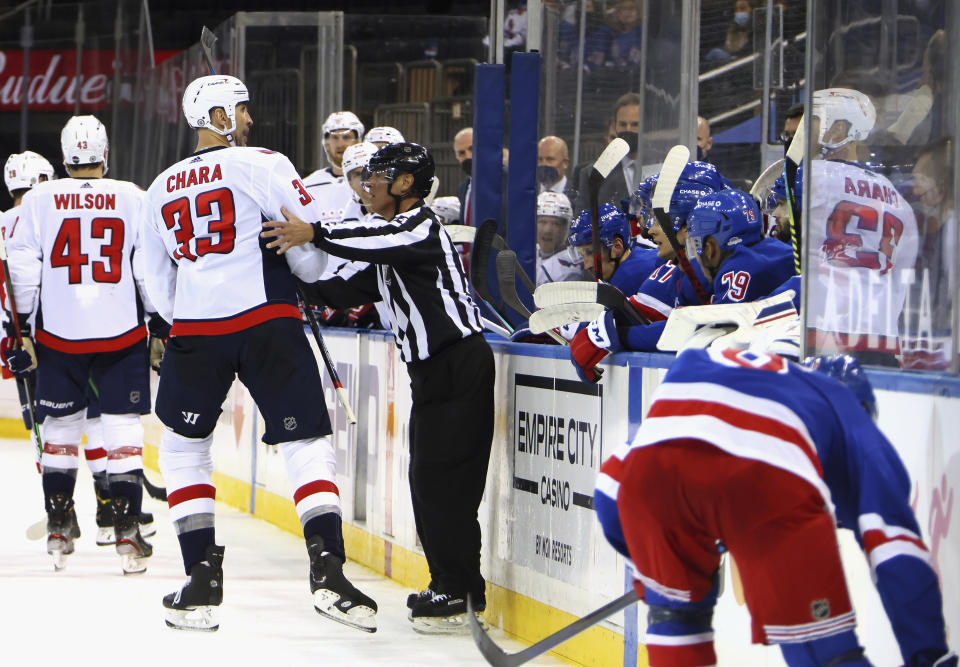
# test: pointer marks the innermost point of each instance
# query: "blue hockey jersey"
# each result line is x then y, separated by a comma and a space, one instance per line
634, 270
766, 408
665, 288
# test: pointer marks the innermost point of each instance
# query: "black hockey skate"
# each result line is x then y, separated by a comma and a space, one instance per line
147, 529
194, 606
62, 529
334, 596
105, 536
444, 614
420, 596
132, 548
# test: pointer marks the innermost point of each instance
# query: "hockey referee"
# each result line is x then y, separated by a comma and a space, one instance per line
438, 330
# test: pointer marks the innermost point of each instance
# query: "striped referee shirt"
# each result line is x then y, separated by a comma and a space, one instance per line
419, 275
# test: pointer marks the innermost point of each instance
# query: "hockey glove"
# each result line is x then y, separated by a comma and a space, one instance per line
159, 333
19, 360
591, 344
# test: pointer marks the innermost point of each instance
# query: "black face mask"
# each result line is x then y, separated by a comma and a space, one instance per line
547, 175
632, 139
467, 166
699, 154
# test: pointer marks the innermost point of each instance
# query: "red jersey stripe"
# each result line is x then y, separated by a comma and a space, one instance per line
120, 342
875, 538
239, 322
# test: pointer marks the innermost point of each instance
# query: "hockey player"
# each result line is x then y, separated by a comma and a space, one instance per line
863, 237
776, 206
437, 327
328, 186
233, 307
72, 249
620, 265
447, 210
725, 235
556, 259
768, 457
384, 136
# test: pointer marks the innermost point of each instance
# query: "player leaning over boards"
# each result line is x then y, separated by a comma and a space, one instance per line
437, 327
74, 244
769, 458
233, 306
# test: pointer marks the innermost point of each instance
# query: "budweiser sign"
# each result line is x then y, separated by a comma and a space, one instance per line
53, 78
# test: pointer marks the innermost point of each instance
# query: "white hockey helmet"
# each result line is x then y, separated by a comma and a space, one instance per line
447, 209
23, 170
385, 135
84, 142
343, 120
843, 104
554, 205
357, 156
210, 92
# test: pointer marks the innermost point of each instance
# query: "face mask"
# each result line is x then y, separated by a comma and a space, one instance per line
699, 153
547, 175
632, 138
467, 166
741, 18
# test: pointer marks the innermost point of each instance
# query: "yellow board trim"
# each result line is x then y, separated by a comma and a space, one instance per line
521, 617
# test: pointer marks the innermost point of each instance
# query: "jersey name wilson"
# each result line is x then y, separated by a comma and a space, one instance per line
73, 200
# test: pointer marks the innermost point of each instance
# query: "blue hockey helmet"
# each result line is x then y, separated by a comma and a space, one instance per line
731, 217
639, 203
847, 371
778, 192
613, 223
696, 180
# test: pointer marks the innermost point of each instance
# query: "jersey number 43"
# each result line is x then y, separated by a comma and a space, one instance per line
179, 216
68, 252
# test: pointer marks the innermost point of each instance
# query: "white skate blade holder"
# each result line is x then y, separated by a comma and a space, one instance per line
456, 624
131, 559
204, 618
359, 616
59, 558
105, 536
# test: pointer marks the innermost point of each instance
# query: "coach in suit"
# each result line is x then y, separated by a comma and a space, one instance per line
625, 176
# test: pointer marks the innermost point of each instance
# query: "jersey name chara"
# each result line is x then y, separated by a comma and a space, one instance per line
190, 177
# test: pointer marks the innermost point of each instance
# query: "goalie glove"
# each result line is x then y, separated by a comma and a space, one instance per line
159, 333
19, 360
592, 344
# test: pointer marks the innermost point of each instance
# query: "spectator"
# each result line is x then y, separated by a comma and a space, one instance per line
553, 160
463, 151
704, 138
791, 121
624, 22
625, 176
922, 118
739, 39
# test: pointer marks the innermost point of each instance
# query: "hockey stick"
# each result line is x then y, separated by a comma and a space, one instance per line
546, 319
766, 179
507, 279
497, 657
584, 291
207, 40
602, 166
15, 319
327, 361
480, 257
790, 166
461, 233
670, 172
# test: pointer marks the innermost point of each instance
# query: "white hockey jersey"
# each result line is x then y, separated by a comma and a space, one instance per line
863, 247
8, 220
74, 243
333, 195
208, 269
560, 266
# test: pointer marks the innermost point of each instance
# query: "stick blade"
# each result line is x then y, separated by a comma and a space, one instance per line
461, 233
615, 151
492, 653
670, 172
507, 280
550, 318
207, 38
799, 144
562, 293
766, 179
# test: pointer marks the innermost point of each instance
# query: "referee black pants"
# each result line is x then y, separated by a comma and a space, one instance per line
451, 429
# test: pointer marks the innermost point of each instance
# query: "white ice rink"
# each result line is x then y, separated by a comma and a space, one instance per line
91, 614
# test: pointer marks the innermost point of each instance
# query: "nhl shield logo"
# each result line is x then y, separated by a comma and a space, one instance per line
289, 423
134, 396
820, 609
